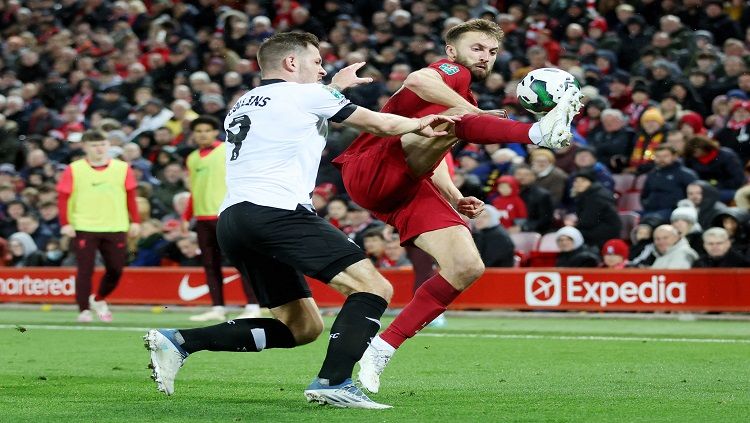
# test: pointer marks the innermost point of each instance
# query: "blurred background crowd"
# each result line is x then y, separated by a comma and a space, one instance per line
656, 176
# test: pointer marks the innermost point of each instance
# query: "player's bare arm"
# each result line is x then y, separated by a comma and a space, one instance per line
347, 77
429, 86
470, 207
386, 124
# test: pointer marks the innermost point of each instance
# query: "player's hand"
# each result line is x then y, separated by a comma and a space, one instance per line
470, 207
495, 112
184, 226
68, 231
347, 77
135, 230
428, 123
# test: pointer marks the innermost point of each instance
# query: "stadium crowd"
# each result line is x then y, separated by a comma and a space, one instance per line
657, 175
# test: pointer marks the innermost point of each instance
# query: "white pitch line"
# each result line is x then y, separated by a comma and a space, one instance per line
436, 335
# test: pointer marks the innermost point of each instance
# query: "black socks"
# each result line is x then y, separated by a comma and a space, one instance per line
241, 335
357, 322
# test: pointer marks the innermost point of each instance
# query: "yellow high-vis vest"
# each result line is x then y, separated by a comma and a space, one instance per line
208, 181
99, 200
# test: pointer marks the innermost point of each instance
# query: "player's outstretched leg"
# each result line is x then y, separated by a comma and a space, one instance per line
170, 347
552, 130
166, 357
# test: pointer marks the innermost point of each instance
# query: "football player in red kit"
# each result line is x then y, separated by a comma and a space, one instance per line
404, 180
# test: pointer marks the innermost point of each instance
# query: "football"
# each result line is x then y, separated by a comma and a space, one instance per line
541, 89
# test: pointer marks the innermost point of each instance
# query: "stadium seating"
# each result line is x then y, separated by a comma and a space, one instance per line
629, 221
630, 201
623, 182
525, 242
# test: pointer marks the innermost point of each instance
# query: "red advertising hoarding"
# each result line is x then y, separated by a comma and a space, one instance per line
521, 289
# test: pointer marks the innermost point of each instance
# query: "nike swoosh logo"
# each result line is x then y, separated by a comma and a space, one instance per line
190, 293
376, 321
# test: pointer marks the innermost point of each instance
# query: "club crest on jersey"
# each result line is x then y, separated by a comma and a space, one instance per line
449, 69
334, 91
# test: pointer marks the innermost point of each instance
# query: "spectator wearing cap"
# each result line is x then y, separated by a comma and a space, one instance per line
56, 150
615, 254
10, 145
670, 108
733, 67
111, 103
614, 142
590, 122
493, 242
719, 251
688, 97
598, 31
641, 101
662, 74
651, 135
572, 251
705, 197
619, 93
718, 23
585, 160
718, 165
509, 204
538, 201
214, 105
24, 252
698, 81
635, 36
549, 176
691, 124
595, 209
666, 183
736, 222
685, 220
736, 134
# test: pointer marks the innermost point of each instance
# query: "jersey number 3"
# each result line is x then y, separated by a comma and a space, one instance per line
243, 122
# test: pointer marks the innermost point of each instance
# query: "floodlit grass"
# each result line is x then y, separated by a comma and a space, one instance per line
473, 370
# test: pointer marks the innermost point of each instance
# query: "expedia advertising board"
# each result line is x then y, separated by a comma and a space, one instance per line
723, 290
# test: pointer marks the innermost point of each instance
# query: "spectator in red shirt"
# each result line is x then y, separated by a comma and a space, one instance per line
509, 203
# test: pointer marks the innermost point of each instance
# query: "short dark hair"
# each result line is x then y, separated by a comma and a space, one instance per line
475, 25
374, 233
700, 142
93, 135
277, 46
205, 120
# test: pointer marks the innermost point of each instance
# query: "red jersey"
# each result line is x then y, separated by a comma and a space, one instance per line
408, 104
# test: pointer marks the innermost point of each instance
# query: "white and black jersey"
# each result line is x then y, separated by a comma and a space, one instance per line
276, 134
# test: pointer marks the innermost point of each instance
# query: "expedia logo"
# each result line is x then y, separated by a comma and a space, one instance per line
543, 289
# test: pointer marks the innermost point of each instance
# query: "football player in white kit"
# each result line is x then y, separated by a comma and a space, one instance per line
269, 231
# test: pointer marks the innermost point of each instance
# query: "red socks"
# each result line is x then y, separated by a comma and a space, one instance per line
489, 129
430, 300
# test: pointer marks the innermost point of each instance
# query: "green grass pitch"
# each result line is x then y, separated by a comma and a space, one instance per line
476, 369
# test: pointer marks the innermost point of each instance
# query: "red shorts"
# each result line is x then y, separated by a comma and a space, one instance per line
380, 180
